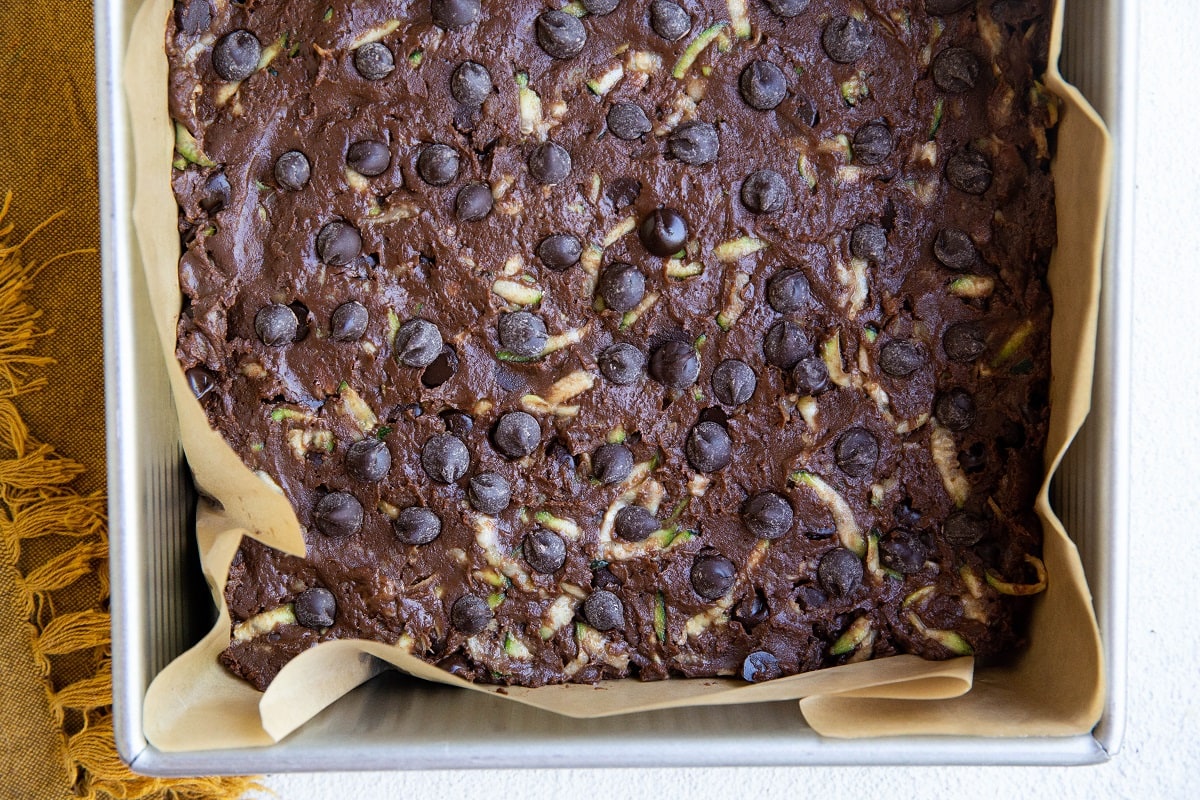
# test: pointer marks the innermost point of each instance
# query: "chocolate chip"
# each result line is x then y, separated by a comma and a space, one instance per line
810, 375
560, 34
338, 243
621, 363
445, 458
856, 452
200, 381
708, 448
801, 111
550, 163
873, 142
839, 572
216, 193
454, 14
634, 524
315, 608
712, 576
457, 423
969, 171
235, 56
663, 232
544, 551
787, 8
374, 61
612, 463
954, 248
604, 610
694, 143
627, 121
900, 358
675, 364
438, 164
767, 515
964, 341
521, 333
809, 598
418, 343
470, 614
956, 70
955, 409
846, 39
598, 8
470, 84
669, 20
559, 251
368, 157
762, 85
946, 6
621, 192
785, 344
964, 529
902, 551
192, 16
733, 382
348, 322
788, 291
276, 325
761, 666
292, 170
764, 192
473, 202
368, 460
516, 434
489, 492
621, 287
868, 241
338, 514
752, 610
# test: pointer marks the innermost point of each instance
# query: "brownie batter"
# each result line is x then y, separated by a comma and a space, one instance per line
623, 338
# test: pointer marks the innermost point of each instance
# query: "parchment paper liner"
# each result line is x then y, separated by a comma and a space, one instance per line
1056, 688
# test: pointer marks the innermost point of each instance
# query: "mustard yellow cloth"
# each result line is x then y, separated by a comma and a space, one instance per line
55, 679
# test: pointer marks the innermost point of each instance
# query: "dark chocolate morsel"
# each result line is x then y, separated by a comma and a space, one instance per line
621, 192
762, 85
368, 460
785, 344
964, 341
839, 572
612, 463
634, 524
809, 597
200, 381
621, 363
787, 8
955, 250
760, 666
445, 458
521, 333
235, 55
338, 243
902, 551
946, 6
669, 20
764, 192
544, 551
276, 325
621, 287
733, 382
964, 529
752, 610
292, 170
560, 34
873, 142
675, 364
550, 163
470, 84
788, 291
955, 409
663, 232
969, 171
349, 322
856, 452
627, 121
489, 492
374, 61
900, 358
338, 514
192, 16
418, 343
694, 143
846, 39
767, 515
708, 448
868, 241
810, 375
368, 157
956, 70
438, 164
713, 575
516, 434
598, 8
315, 608
473, 202
454, 14
559, 251
603, 610
470, 614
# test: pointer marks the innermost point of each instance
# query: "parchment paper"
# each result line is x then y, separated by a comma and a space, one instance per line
1055, 688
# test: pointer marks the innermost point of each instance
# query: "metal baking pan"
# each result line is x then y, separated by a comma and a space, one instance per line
160, 605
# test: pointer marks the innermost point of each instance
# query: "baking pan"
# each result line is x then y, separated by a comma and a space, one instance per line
160, 605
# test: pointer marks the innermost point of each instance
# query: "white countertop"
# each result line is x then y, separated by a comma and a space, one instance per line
1161, 752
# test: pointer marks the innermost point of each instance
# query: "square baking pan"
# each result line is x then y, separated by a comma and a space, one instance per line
160, 605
